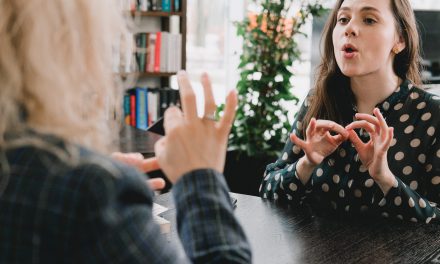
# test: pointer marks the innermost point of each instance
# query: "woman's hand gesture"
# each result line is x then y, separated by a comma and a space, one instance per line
373, 154
319, 143
145, 165
190, 142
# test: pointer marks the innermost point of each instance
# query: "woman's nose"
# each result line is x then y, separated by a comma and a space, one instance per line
350, 30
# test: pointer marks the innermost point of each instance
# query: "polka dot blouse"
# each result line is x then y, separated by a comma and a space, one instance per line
341, 183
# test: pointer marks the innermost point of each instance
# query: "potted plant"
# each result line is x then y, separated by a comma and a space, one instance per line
261, 126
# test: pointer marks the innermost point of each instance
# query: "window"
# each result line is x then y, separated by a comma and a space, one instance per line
212, 45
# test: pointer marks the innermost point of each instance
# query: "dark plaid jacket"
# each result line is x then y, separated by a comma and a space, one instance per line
61, 203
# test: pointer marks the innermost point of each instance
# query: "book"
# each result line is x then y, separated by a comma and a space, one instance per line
127, 109
141, 108
176, 5
132, 109
157, 51
151, 57
153, 106
164, 49
156, 5
143, 5
166, 5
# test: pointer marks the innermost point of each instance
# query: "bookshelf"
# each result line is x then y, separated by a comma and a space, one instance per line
133, 139
147, 74
153, 13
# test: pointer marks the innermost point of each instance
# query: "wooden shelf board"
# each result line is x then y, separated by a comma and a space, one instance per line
152, 13
148, 74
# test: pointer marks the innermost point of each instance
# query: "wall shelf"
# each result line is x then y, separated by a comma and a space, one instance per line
152, 13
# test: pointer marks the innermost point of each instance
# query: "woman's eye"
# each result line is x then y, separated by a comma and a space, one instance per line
369, 21
343, 20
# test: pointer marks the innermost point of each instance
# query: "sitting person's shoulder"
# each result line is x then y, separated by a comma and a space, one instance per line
65, 166
418, 92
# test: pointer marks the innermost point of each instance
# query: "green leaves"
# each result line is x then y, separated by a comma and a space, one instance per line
261, 126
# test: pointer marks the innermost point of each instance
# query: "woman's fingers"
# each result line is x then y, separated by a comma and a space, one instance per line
311, 128
156, 184
338, 139
137, 160
210, 105
148, 165
361, 124
389, 138
372, 119
159, 147
357, 142
172, 118
227, 119
297, 141
187, 96
327, 125
382, 122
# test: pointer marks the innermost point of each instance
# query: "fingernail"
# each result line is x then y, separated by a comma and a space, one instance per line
231, 92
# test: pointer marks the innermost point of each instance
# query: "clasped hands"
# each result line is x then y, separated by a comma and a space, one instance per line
320, 143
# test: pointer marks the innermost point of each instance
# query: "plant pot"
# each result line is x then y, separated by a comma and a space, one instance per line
243, 173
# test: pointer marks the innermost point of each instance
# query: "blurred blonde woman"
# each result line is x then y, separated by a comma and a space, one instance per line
62, 198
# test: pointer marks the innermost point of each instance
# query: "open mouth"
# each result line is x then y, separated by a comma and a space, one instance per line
349, 48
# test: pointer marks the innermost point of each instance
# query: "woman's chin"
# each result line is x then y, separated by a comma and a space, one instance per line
350, 73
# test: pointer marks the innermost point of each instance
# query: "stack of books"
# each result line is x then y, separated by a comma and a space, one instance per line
144, 106
158, 52
152, 5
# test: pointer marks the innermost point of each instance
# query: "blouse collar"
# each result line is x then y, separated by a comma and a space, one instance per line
399, 94
391, 101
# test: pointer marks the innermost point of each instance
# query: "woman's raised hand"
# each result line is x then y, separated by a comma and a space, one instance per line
319, 142
373, 154
191, 142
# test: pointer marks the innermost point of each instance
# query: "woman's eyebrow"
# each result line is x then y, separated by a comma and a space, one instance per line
363, 9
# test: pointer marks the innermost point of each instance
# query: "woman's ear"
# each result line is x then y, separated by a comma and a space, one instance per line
399, 46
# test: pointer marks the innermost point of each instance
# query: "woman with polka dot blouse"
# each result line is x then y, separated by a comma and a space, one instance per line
365, 139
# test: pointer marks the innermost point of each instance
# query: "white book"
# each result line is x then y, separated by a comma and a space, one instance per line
171, 53
143, 5
153, 105
179, 52
164, 49
152, 51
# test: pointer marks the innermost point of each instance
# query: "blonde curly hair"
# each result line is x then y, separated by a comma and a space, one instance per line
56, 68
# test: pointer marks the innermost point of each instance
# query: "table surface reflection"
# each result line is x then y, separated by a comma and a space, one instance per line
280, 234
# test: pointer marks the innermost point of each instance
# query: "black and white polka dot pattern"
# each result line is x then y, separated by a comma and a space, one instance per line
342, 183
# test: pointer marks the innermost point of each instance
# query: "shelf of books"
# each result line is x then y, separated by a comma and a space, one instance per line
158, 54
143, 106
153, 6
152, 13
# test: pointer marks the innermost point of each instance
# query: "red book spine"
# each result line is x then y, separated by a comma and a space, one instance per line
157, 52
133, 110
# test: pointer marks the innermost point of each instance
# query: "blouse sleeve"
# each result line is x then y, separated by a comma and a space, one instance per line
417, 206
280, 180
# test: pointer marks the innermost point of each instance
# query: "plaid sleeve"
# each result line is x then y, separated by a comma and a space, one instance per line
207, 227
117, 224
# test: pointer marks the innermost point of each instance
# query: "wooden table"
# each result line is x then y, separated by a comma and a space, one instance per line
290, 235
